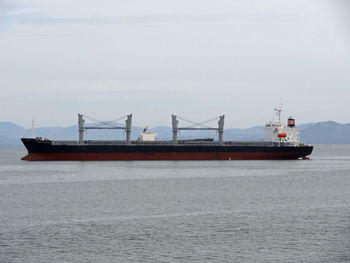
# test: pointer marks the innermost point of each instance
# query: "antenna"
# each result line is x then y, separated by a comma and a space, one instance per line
33, 129
278, 111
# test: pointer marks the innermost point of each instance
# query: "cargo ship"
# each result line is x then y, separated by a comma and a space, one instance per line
281, 143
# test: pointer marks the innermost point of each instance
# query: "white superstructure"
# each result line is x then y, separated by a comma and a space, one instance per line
276, 131
147, 136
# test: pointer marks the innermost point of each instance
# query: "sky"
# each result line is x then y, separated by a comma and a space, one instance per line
197, 59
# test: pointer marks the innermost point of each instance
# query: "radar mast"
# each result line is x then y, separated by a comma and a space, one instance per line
33, 129
278, 111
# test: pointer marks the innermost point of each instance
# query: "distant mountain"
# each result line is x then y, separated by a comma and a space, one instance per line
304, 126
10, 134
9, 129
326, 133
316, 133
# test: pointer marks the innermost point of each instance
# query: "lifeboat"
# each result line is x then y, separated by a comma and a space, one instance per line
282, 135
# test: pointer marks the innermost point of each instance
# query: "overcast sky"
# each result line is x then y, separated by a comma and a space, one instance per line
194, 58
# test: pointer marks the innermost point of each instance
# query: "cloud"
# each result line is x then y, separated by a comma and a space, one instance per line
39, 18
116, 56
343, 7
5, 8
161, 18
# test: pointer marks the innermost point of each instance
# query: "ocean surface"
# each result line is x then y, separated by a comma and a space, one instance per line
184, 211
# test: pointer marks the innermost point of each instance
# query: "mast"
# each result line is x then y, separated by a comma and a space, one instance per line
278, 111
221, 128
128, 127
81, 123
175, 123
33, 129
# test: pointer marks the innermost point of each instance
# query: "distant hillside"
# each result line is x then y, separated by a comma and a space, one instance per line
316, 133
326, 133
11, 130
10, 134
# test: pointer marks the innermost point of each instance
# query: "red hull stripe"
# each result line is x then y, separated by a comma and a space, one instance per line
161, 156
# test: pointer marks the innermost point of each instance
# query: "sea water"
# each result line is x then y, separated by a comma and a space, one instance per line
176, 211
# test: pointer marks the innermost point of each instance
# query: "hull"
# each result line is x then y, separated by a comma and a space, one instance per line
108, 151
159, 156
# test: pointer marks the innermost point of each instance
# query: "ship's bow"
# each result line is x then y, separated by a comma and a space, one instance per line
29, 143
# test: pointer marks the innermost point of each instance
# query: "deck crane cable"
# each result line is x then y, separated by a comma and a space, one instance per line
195, 124
109, 123
104, 123
201, 124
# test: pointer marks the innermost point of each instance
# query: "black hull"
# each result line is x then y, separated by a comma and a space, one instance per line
41, 150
